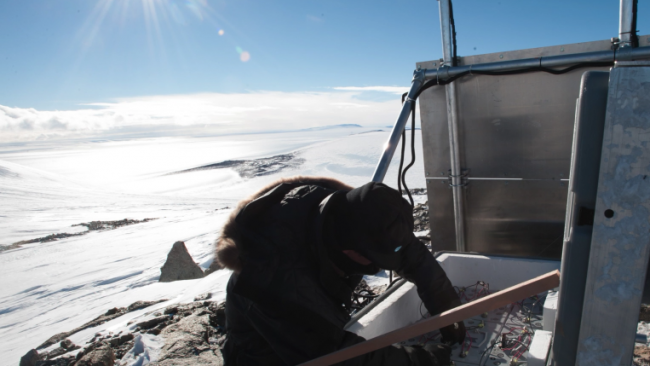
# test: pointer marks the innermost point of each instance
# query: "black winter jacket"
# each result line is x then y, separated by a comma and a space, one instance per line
286, 303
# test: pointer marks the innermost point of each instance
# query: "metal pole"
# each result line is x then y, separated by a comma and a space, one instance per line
626, 23
454, 138
396, 133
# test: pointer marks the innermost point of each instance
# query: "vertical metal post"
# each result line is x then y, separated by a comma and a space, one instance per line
620, 244
626, 23
454, 138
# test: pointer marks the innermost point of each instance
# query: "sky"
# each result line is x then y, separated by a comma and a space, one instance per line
72, 66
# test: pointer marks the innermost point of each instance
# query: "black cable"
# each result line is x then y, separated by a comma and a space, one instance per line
421, 314
486, 350
434, 82
401, 158
412, 154
530, 312
634, 39
454, 56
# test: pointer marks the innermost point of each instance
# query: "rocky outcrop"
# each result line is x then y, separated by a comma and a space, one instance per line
421, 217
179, 265
30, 358
110, 225
109, 315
102, 355
253, 168
186, 342
91, 226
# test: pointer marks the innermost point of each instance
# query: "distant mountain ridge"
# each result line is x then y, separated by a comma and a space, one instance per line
345, 125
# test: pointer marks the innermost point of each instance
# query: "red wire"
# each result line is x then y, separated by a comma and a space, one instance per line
462, 348
522, 350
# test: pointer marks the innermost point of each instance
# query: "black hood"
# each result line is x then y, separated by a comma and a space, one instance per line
373, 220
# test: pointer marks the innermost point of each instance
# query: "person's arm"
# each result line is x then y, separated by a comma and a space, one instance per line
300, 339
434, 288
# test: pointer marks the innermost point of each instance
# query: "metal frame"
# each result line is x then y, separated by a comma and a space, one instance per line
445, 73
626, 23
620, 244
396, 133
454, 139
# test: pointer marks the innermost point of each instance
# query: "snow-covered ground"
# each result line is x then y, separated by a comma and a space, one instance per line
48, 288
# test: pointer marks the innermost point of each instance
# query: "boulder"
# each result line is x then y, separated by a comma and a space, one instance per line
102, 355
30, 358
185, 343
148, 324
67, 344
179, 265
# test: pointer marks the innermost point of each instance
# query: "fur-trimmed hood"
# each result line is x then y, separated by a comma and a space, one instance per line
227, 252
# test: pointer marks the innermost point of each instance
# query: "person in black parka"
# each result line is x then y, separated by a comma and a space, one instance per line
298, 248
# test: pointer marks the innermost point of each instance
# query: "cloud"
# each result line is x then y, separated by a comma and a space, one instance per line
399, 90
221, 113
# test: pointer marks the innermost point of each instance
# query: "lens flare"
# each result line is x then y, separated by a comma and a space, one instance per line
221, 32
239, 50
245, 56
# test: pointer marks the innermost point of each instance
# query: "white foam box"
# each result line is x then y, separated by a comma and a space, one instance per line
539, 348
550, 309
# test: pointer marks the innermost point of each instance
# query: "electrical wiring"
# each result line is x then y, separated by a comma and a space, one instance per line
434, 82
401, 157
421, 314
487, 350
462, 291
464, 353
452, 23
412, 153
634, 38
515, 341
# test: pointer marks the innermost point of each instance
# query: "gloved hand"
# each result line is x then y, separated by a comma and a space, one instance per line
454, 333
441, 352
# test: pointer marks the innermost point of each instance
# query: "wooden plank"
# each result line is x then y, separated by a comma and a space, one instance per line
491, 302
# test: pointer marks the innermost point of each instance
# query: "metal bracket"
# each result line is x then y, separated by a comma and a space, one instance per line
464, 175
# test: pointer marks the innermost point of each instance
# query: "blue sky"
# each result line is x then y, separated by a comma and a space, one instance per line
65, 54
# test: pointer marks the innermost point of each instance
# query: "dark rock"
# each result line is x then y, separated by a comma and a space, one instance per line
202, 297
30, 358
183, 309
118, 341
173, 309
148, 324
214, 266
63, 361
143, 304
179, 265
218, 319
56, 353
109, 315
185, 343
102, 355
67, 344
54, 339
112, 311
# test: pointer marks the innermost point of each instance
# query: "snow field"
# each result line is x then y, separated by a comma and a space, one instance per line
48, 288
